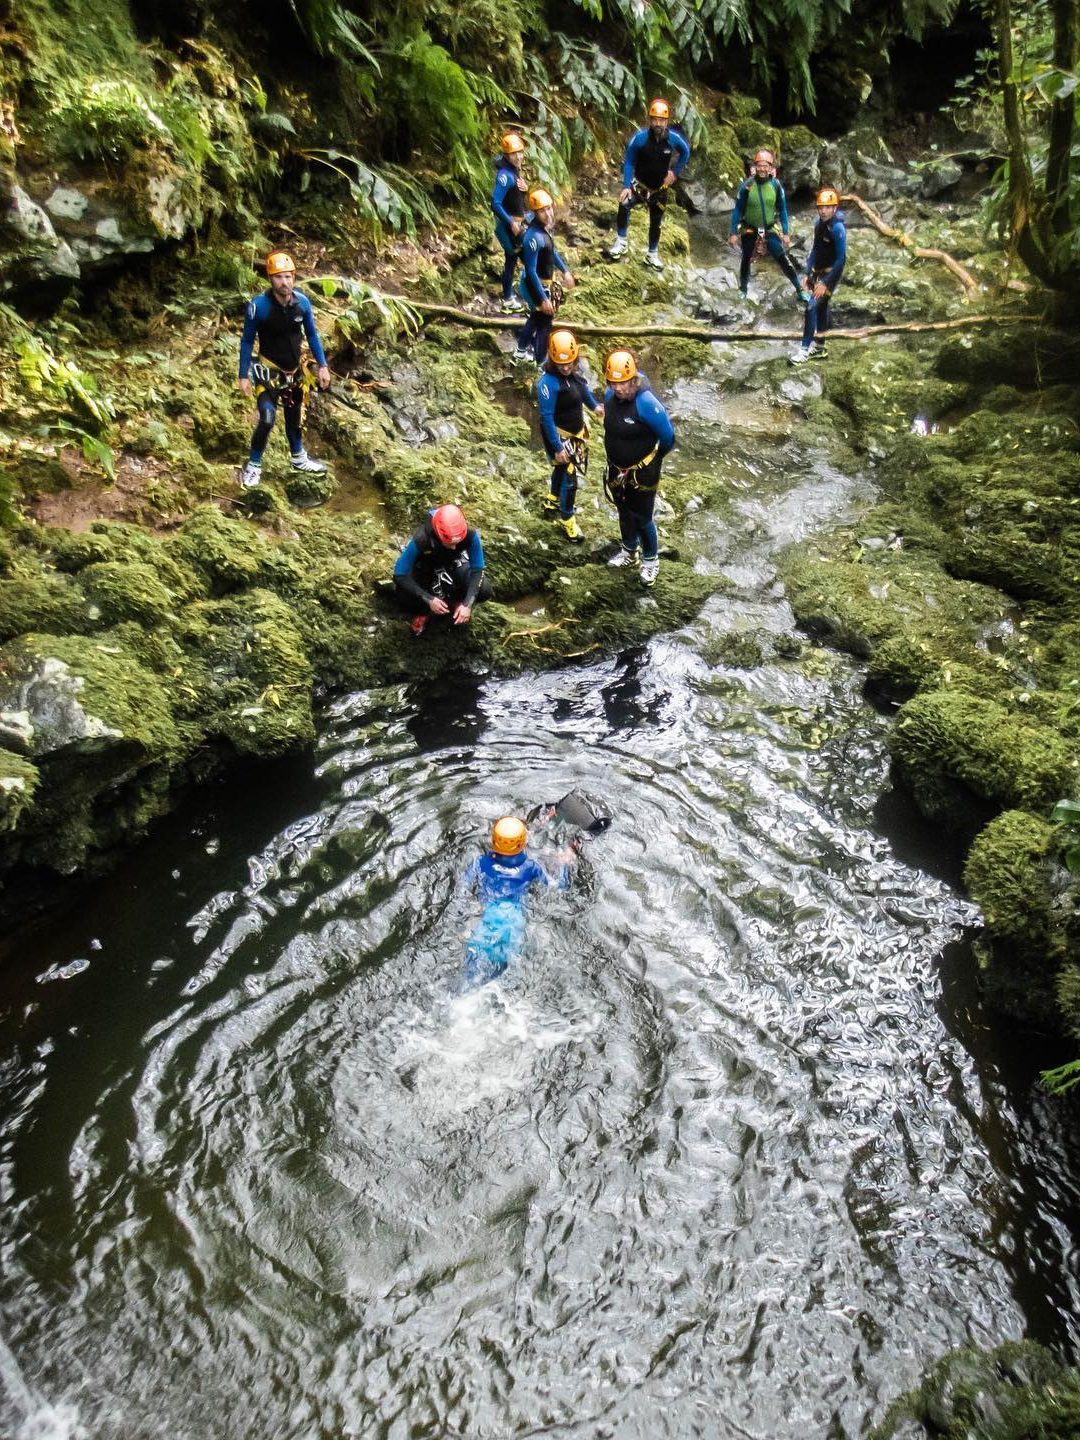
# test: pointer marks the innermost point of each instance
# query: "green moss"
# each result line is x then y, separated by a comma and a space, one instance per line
1007, 876
18, 784
228, 553
1015, 1392
959, 754
253, 679
42, 602
127, 590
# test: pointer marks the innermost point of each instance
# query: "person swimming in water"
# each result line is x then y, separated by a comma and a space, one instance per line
502, 878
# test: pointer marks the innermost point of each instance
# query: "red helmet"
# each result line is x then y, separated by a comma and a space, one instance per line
449, 525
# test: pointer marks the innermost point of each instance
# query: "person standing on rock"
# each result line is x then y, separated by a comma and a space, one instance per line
824, 267
654, 159
508, 207
540, 287
637, 436
441, 570
281, 318
760, 222
563, 394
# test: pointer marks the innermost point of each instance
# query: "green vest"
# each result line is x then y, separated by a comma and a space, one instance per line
760, 212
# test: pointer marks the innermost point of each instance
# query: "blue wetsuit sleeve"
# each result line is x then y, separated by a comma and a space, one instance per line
407, 559
655, 417
476, 552
682, 151
781, 208
609, 395
310, 330
498, 195
247, 339
832, 279
740, 207
560, 263
633, 145
547, 390
531, 254
590, 399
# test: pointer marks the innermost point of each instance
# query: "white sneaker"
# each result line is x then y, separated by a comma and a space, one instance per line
306, 465
251, 475
618, 248
624, 557
649, 570
800, 357
652, 258
512, 305
523, 357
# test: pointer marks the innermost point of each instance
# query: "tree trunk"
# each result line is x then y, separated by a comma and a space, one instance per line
1062, 117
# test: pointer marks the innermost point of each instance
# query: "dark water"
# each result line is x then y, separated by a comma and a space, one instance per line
732, 1151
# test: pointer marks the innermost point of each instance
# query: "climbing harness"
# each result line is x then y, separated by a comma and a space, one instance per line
282, 385
619, 478
556, 292
576, 443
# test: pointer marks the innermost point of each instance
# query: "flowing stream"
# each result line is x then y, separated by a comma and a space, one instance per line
731, 1152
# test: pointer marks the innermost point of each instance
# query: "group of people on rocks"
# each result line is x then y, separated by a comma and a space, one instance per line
441, 570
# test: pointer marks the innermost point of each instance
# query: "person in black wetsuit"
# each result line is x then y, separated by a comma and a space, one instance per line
824, 267
637, 436
441, 570
281, 318
655, 157
508, 207
537, 283
563, 394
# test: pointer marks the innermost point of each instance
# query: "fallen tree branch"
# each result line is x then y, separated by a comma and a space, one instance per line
906, 242
696, 332
541, 629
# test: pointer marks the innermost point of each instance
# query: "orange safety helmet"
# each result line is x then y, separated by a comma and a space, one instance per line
659, 110
620, 366
279, 263
563, 348
828, 196
512, 143
449, 524
508, 836
540, 199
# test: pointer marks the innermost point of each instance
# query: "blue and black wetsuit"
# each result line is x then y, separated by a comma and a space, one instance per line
507, 204
648, 158
563, 399
503, 883
637, 436
761, 209
541, 262
280, 331
426, 569
824, 266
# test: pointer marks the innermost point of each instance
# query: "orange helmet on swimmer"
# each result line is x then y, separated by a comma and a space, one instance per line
279, 262
508, 836
620, 366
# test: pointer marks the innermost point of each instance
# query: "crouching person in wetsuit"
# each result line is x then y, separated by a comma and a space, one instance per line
653, 161
563, 393
637, 436
824, 267
280, 319
508, 207
537, 285
760, 222
502, 878
441, 570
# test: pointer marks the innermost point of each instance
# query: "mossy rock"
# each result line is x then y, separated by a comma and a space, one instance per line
228, 553
43, 602
253, 677
1018, 1391
964, 758
1017, 355
116, 543
307, 492
1007, 875
19, 779
127, 590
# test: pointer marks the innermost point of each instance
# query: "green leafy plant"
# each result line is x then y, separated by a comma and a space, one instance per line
109, 120
370, 308
389, 198
1067, 815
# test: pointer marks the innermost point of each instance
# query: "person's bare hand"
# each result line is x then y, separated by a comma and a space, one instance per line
463, 614
438, 607
244, 386
624, 195
547, 308
820, 290
733, 241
